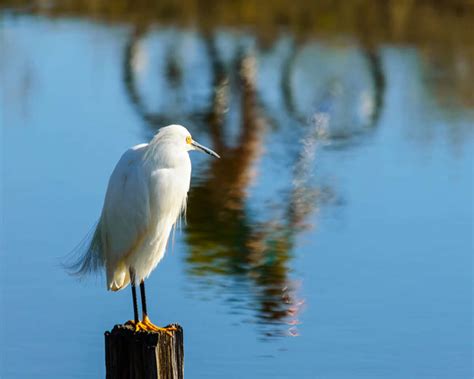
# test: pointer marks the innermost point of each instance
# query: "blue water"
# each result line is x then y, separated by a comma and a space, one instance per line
332, 240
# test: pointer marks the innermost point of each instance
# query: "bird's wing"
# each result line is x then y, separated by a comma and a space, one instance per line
125, 217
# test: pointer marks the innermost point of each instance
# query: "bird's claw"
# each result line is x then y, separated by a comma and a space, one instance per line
147, 326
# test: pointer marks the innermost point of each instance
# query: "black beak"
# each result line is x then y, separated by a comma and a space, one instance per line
204, 149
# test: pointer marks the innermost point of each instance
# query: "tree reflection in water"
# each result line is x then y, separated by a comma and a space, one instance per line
233, 246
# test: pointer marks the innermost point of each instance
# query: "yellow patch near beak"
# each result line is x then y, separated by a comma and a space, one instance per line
189, 140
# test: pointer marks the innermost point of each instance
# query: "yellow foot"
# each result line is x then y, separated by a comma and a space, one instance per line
147, 326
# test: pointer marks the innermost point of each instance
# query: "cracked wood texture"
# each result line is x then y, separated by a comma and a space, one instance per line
144, 355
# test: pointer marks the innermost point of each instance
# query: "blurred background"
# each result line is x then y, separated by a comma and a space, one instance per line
332, 240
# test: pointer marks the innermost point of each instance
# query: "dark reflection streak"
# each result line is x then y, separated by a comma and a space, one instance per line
286, 83
221, 95
173, 71
269, 253
376, 69
129, 78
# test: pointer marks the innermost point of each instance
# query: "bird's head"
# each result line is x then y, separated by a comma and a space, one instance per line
180, 137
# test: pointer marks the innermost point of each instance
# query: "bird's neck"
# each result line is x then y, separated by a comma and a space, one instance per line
163, 155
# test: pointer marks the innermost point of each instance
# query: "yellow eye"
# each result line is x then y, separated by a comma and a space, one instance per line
189, 140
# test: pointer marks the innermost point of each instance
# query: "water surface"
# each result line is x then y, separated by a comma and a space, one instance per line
332, 240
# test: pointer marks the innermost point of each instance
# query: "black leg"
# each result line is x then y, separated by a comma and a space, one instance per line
142, 293
149, 326
134, 295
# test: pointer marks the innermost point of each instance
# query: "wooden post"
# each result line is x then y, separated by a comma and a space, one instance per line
144, 355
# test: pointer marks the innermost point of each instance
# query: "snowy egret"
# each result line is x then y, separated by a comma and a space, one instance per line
146, 194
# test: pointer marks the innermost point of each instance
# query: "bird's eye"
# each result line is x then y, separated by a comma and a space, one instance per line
189, 140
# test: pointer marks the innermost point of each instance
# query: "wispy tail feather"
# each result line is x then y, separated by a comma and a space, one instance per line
87, 257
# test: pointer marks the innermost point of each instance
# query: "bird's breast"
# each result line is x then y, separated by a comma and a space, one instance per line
169, 191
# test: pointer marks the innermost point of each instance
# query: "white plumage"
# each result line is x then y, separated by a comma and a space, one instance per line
146, 194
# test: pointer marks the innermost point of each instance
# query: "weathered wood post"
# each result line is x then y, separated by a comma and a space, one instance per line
144, 355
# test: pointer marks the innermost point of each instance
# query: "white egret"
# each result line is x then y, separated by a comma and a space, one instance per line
146, 194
